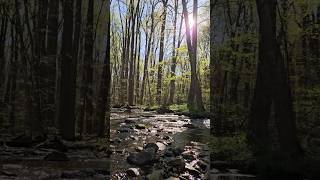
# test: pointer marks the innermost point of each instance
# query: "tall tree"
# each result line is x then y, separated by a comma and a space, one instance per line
52, 46
272, 91
66, 114
161, 50
147, 54
87, 76
103, 105
174, 57
135, 11
195, 95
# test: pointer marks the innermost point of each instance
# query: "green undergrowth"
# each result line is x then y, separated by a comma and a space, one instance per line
233, 148
179, 108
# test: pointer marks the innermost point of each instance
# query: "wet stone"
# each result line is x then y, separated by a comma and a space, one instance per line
141, 158
133, 172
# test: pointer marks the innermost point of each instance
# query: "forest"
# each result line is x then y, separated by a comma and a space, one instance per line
160, 89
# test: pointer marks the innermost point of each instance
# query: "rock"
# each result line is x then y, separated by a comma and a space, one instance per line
133, 172
166, 137
202, 165
178, 164
139, 149
121, 151
188, 155
142, 158
192, 170
168, 153
134, 137
161, 146
56, 156
124, 130
140, 126
153, 146
177, 151
155, 175
130, 120
190, 126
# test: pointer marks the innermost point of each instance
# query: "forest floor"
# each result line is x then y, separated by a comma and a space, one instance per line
149, 145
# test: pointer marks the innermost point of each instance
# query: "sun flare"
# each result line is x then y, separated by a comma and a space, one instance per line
191, 22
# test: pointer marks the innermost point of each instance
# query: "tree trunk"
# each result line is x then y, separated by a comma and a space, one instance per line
146, 59
272, 89
194, 96
66, 114
174, 56
161, 51
52, 45
87, 76
103, 106
132, 59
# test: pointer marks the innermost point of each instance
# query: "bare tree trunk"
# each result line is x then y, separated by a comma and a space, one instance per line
272, 89
132, 59
87, 76
195, 95
66, 114
52, 46
146, 59
161, 51
103, 107
174, 57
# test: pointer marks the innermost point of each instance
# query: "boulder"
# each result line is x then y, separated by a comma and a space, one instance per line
142, 158
177, 163
153, 146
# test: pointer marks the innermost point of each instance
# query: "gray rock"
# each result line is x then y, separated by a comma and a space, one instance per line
177, 151
139, 149
133, 172
142, 158
188, 155
202, 165
161, 146
178, 164
153, 146
124, 130
192, 170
